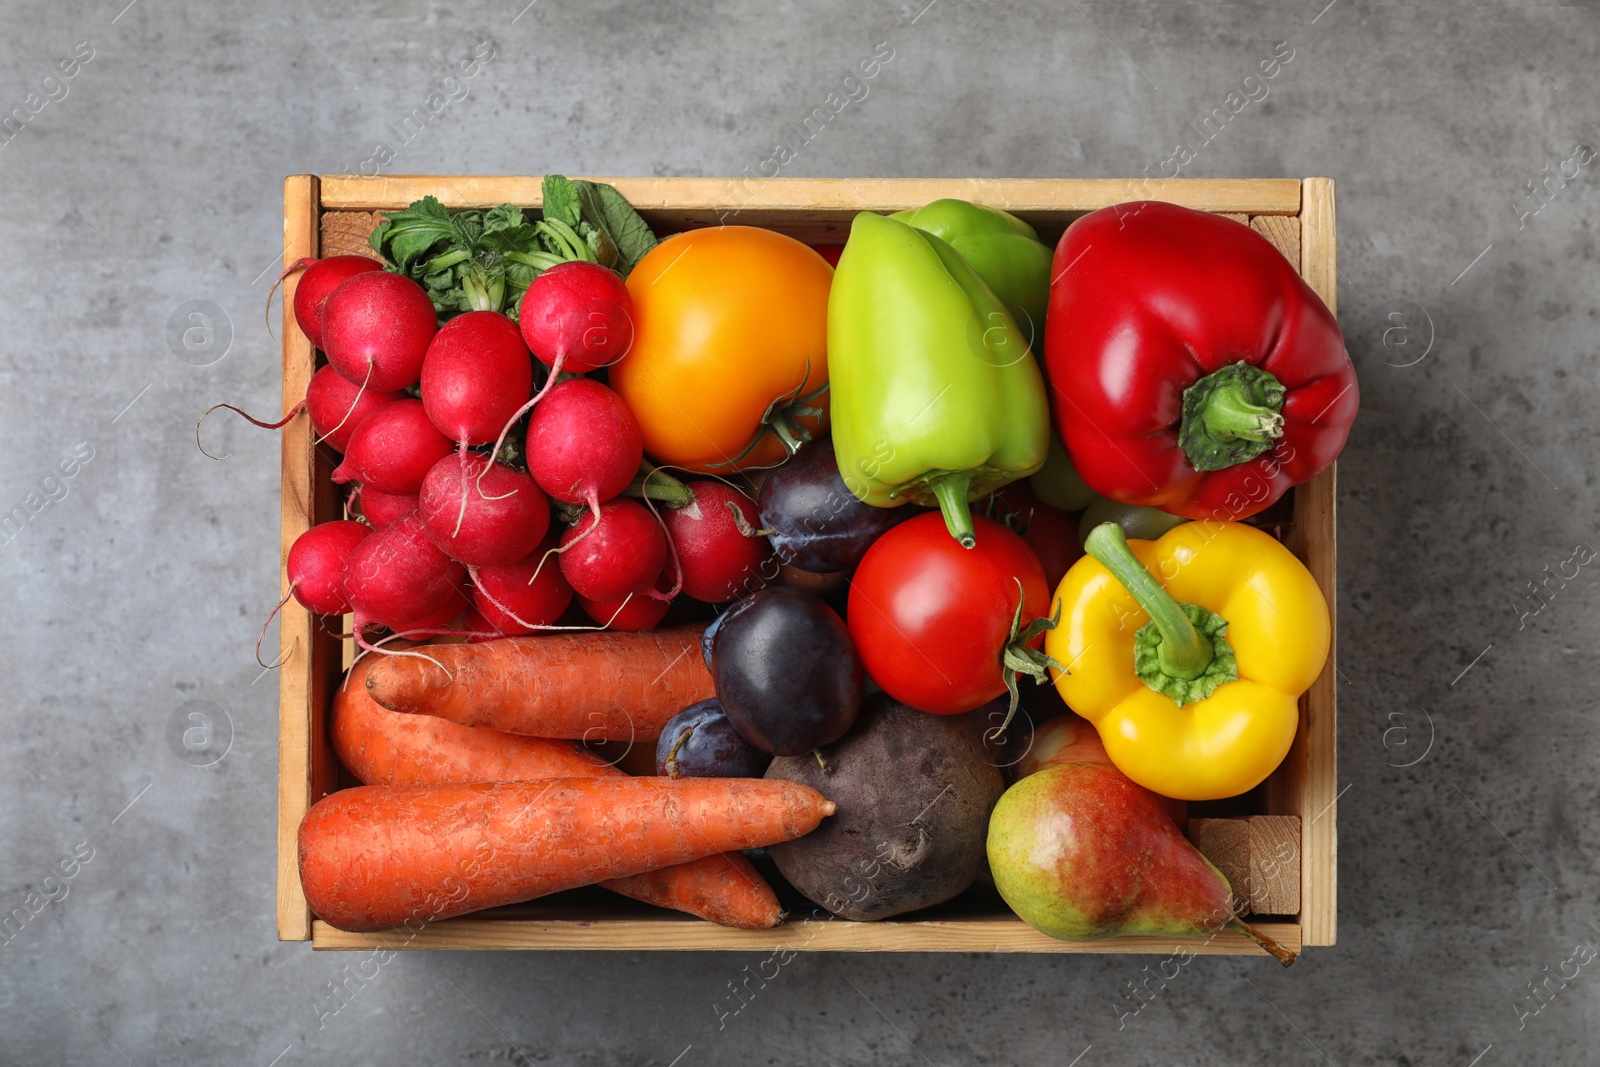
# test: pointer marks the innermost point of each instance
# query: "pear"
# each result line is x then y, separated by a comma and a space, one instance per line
1080, 853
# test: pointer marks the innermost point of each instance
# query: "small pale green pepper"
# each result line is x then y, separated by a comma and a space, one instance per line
935, 398
1058, 484
1005, 251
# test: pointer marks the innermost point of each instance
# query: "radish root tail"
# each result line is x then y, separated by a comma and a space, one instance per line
472, 573
242, 413
672, 558
361, 640
299, 264
555, 376
262, 636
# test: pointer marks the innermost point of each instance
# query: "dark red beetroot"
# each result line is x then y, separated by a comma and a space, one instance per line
317, 561
398, 578
519, 598
620, 553
583, 445
477, 373
337, 406
393, 449
505, 518
718, 559
577, 317
376, 327
380, 509
321, 277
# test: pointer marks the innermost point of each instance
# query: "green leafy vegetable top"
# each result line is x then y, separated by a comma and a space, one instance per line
475, 260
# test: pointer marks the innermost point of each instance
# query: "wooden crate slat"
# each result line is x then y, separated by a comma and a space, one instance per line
681, 934
296, 703
1275, 864
1260, 857
1307, 785
795, 197
344, 233
1284, 233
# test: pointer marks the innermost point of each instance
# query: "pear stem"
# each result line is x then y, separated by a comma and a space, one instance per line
1271, 947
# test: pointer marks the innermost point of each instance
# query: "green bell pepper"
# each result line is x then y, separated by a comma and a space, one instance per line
1005, 251
935, 398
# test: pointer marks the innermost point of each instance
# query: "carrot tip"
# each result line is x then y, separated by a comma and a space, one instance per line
828, 808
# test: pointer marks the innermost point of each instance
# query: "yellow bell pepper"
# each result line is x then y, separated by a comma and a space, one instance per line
1189, 653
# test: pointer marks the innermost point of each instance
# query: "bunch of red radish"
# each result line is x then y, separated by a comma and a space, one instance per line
452, 531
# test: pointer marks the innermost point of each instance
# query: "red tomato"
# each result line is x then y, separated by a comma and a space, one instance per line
931, 619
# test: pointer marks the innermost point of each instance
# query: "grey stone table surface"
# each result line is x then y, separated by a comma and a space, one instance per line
150, 178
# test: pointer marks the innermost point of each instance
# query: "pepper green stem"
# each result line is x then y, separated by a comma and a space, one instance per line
951, 492
1230, 416
1183, 652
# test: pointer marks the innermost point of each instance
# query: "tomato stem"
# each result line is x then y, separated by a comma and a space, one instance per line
791, 433
1020, 657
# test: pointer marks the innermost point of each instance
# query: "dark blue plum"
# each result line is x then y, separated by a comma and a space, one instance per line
699, 742
786, 671
814, 521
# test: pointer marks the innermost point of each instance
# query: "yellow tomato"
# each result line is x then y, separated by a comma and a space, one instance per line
730, 330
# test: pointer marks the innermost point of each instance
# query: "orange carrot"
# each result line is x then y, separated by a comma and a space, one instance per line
377, 857
725, 889
591, 686
382, 747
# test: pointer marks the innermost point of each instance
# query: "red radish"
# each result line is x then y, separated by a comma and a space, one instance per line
482, 513
577, 317
393, 449
478, 628
477, 373
337, 406
620, 552
321, 277
398, 578
638, 612
376, 327
583, 445
719, 560
317, 561
519, 598
380, 509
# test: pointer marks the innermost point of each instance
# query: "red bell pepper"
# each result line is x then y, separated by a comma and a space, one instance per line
1191, 369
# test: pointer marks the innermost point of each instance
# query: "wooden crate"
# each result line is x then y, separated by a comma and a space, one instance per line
334, 214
